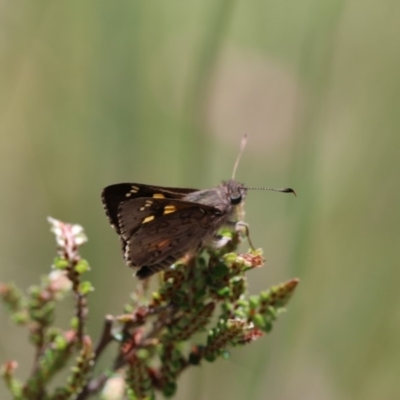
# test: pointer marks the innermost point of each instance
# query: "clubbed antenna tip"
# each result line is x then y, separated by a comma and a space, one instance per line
282, 190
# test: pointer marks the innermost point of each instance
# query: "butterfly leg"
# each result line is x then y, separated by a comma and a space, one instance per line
242, 226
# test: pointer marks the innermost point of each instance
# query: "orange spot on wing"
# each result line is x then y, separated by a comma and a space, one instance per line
163, 243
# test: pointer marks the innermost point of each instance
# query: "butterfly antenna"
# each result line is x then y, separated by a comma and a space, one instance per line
283, 190
242, 146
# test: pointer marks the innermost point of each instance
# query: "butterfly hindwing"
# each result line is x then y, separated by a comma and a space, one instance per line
158, 243
163, 234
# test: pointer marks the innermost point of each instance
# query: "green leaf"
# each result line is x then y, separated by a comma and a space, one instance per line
258, 320
60, 343
253, 301
60, 263
74, 323
225, 354
220, 270
85, 287
224, 292
82, 267
169, 389
20, 318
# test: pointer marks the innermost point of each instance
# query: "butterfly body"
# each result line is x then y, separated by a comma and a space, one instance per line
158, 225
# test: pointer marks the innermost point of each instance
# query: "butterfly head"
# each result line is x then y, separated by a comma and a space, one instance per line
236, 192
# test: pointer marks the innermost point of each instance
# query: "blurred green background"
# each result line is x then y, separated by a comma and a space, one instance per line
100, 92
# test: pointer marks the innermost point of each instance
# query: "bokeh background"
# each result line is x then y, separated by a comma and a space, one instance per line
100, 92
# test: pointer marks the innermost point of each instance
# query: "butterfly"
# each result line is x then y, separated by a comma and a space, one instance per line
158, 225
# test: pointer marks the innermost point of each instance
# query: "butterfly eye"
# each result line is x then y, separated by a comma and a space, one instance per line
236, 198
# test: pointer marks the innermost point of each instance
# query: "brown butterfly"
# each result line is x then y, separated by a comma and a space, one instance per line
158, 225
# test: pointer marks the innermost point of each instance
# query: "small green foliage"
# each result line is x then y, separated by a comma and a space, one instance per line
138, 382
74, 323
83, 366
12, 297
20, 318
12, 383
170, 389
82, 266
60, 263
204, 295
85, 288
220, 270
60, 343
52, 360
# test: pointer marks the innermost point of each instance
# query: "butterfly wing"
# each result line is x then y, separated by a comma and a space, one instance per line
153, 241
155, 224
113, 195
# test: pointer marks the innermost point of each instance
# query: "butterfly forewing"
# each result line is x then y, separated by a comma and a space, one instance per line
147, 212
114, 195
